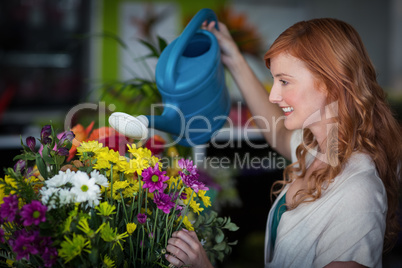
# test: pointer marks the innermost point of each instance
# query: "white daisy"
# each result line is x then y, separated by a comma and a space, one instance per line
66, 197
49, 197
85, 189
99, 178
60, 179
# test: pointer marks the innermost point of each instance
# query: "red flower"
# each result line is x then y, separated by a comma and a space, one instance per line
156, 144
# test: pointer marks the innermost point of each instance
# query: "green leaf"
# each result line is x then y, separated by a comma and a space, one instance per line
154, 51
220, 247
219, 236
93, 256
162, 43
221, 256
60, 159
211, 217
230, 225
28, 156
46, 157
41, 166
234, 243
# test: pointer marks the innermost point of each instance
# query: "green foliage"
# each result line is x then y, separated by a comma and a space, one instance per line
135, 96
211, 226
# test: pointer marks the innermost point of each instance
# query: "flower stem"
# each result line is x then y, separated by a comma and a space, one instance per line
185, 210
111, 183
153, 231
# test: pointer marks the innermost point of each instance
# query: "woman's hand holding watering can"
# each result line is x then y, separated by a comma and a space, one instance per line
229, 50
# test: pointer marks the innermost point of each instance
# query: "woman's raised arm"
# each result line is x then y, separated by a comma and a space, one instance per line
268, 116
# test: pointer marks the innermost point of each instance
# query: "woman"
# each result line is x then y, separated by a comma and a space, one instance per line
336, 206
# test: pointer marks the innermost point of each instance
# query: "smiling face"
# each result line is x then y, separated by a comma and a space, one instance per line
296, 91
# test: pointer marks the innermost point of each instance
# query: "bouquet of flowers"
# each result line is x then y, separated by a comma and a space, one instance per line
101, 209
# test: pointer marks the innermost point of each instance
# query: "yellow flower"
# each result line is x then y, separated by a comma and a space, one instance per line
196, 207
2, 194
11, 182
149, 212
172, 152
188, 192
109, 234
72, 248
186, 222
131, 227
119, 187
137, 165
173, 181
193, 204
205, 199
105, 159
108, 262
90, 147
9, 263
130, 191
105, 209
174, 169
84, 226
141, 159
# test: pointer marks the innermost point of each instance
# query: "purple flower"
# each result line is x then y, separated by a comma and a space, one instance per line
190, 175
9, 208
31, 143
62, 151
193, 183
47, 252
45, 134
19, 166
2, 236
187, 167
66, 138
24, 244
49, 256
33, 213
154, 179
163, 202
29, 172
142, 218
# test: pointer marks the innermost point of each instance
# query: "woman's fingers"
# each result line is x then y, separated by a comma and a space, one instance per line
179, 248
174, 260
190, 238
186, 249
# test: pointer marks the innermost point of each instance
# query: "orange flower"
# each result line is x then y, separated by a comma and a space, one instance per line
105, 135
81, 134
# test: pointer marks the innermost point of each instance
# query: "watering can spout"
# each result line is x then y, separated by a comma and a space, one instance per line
167, 122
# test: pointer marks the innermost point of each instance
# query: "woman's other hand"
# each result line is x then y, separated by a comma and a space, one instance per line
186, 250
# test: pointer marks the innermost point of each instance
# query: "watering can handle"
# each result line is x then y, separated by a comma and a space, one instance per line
182, 41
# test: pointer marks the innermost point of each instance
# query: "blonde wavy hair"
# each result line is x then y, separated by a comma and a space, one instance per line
334, 52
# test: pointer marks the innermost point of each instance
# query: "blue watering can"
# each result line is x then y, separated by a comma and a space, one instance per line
190, 77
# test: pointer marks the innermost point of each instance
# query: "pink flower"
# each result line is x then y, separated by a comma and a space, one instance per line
154, 179
163, 202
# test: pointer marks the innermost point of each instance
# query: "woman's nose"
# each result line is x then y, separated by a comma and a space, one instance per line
275, 95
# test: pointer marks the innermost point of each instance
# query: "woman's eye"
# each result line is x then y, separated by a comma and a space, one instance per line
283, 82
